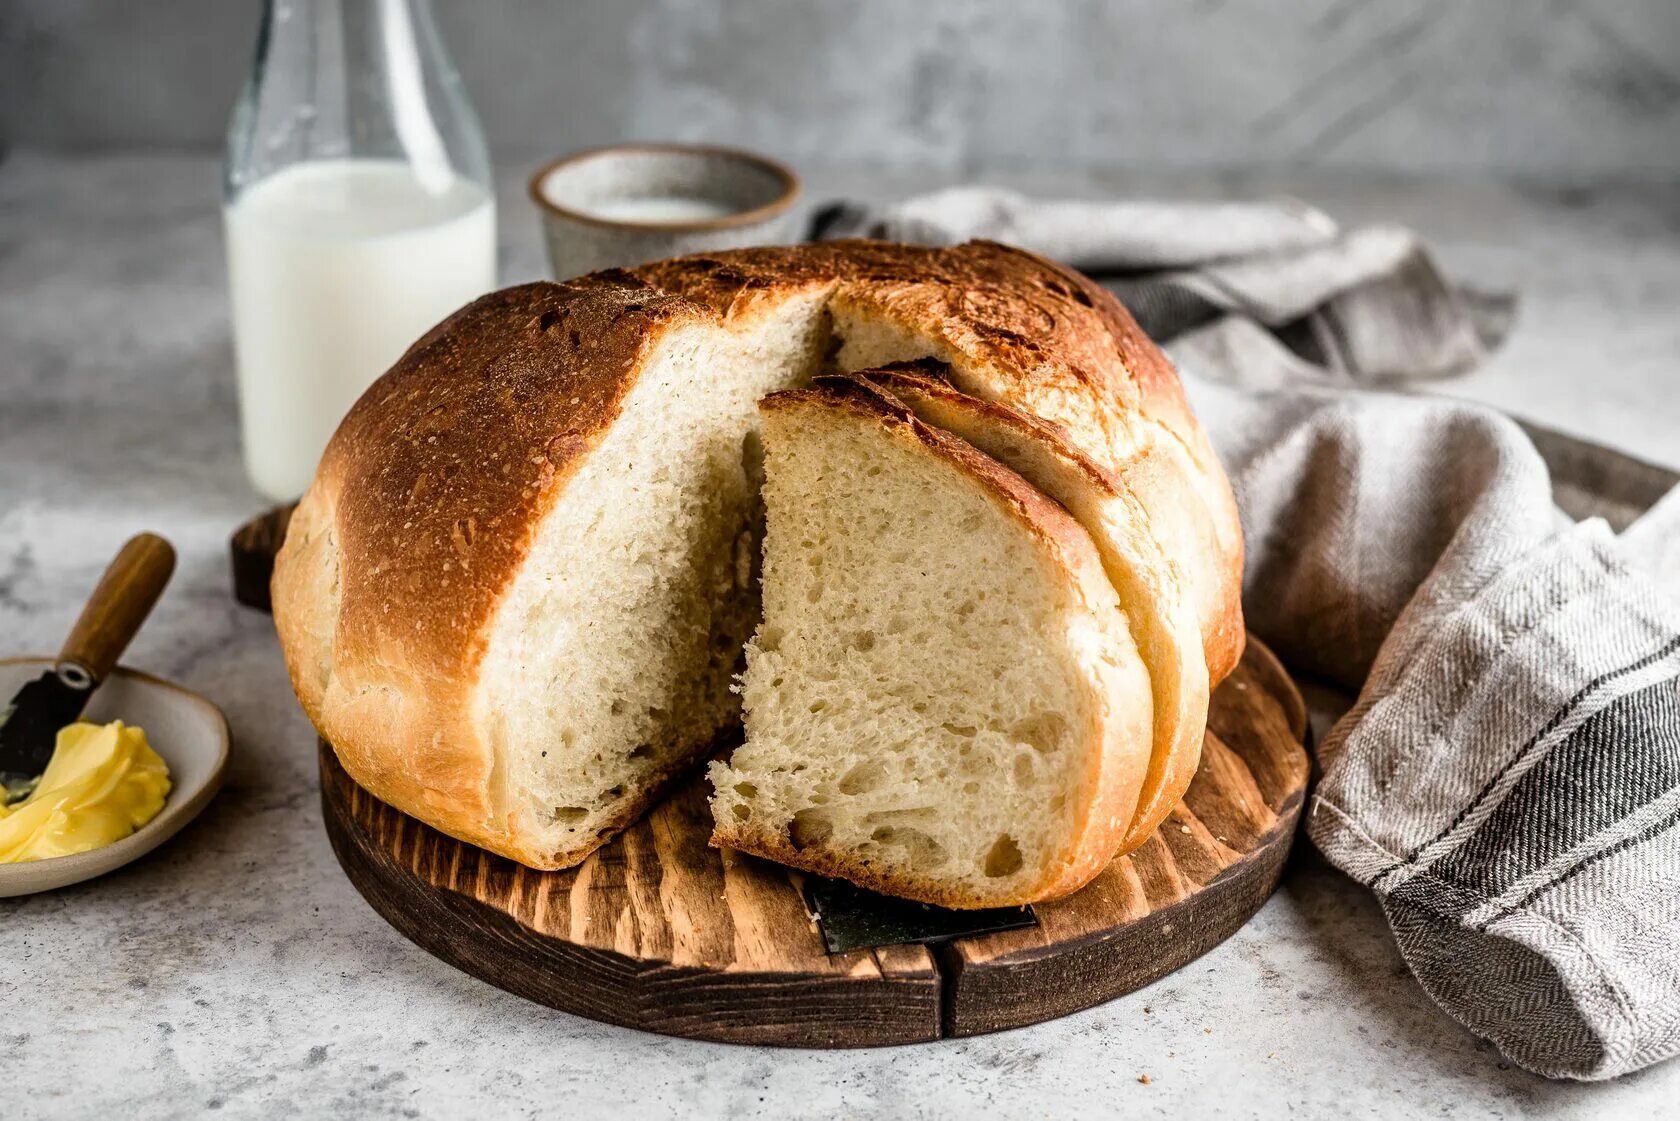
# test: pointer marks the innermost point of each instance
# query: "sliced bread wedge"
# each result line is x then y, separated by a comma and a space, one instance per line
944, 700
1153, 591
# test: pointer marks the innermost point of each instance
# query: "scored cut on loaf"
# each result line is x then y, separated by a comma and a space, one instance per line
943, 700
515, 595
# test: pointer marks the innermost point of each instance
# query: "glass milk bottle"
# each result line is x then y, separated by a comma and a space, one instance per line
358, 214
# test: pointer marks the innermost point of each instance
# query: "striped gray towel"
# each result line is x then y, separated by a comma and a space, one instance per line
1508, 779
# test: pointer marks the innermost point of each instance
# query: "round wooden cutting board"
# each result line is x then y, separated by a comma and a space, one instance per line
657, 931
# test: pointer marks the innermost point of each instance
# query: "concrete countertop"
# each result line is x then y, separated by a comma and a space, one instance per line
237, 970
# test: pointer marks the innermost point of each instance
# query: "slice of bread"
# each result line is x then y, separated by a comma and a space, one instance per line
944, 700
1154, 592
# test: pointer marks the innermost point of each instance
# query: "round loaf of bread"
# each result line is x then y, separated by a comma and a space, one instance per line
515, 597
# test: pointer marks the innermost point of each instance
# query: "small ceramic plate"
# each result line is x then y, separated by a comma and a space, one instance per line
188, 731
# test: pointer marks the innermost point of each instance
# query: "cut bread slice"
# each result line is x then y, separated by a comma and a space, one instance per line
944, 700
1152, 590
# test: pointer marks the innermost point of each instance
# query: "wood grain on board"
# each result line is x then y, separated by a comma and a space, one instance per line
1209, 867
660, 932
654, 931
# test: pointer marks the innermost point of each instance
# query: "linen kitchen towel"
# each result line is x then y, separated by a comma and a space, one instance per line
1508, 779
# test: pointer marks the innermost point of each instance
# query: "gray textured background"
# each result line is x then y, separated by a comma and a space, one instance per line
1551, 88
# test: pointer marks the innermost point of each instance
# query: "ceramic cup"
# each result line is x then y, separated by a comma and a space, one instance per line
623, 206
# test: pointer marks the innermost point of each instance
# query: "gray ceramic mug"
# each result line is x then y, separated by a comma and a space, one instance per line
626, 205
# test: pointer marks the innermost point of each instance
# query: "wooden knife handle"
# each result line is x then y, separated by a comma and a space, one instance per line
118, 606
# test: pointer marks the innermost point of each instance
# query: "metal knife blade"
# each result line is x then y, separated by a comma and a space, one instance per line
29, 728
119, 604
852, 918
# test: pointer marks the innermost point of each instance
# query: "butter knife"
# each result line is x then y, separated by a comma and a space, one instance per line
125, 595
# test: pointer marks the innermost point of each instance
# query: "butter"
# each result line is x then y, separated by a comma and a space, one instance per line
103, 783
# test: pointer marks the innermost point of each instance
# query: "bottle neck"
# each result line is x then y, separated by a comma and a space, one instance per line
340, 79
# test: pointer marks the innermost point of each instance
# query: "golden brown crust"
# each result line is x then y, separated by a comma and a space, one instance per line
1065, 342
447, 464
